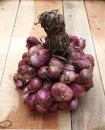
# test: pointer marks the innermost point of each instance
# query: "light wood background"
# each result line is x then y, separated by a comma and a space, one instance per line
83, 18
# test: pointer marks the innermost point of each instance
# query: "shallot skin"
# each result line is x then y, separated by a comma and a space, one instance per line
25, 90
55, 68
35, 84
77, 89
18, 83
84, 76
26, 73
25, 57
29, 100
67, 77
82, 43
53, 107
32, 41
40, 58
61, 92
43, 97
73, 104
22, 62
63, 105
43, 72
35, 49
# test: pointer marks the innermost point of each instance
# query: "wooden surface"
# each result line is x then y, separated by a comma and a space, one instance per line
86, 20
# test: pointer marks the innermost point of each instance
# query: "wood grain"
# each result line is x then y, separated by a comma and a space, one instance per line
97, 26
7, 19
90, 115
11, 105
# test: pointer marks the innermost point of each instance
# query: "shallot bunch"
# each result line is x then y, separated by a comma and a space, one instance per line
55, 73
50, 83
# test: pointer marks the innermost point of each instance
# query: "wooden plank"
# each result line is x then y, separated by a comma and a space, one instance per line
90, 114
7, 18
97, 25
12, 107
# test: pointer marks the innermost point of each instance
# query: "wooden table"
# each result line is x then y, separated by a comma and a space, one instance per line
85, 19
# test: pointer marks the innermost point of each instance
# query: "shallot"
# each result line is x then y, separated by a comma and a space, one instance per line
32, 41
61, 92
35, 84
40, 58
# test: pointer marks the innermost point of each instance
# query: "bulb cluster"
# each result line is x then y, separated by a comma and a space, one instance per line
49, 82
